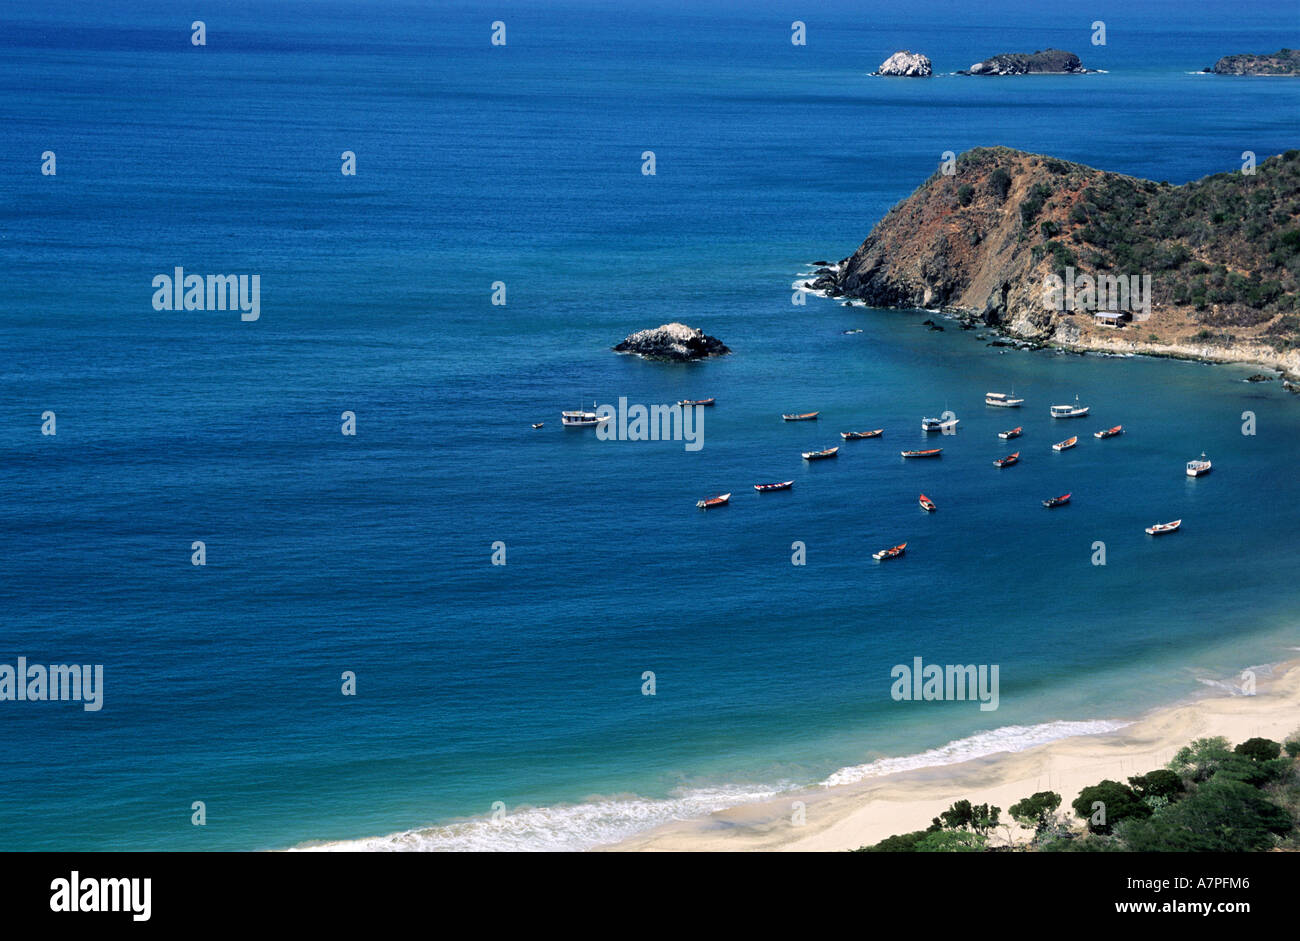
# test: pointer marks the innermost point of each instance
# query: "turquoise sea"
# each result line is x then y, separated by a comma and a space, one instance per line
519, 687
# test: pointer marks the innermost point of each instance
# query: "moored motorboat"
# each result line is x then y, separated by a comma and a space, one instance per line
1002, 400
581, 418
685, 402
859, 435
1066, 444
803, 416
927, 504
1069, 411
1197, 468
718, 499
820, 455
893, 552
768, 488
1013, 433
1008, 460
1057, 501
939, 424
1159, 529
1109, 432
931, 452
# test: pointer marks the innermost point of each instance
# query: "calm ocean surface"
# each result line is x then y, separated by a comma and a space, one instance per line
522, 684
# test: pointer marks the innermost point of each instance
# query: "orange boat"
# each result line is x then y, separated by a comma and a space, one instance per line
893, 552
820, 455
859, 435
927, 504
1066, 444
1057, 501
1013, 433
719, 499
1008, 460
1109, 432
932, 452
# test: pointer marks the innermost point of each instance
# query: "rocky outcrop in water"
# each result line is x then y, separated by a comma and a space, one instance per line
1282, 62
907, 64
673, 342
1045, 61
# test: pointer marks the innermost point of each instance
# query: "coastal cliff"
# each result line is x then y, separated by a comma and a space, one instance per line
1219, 257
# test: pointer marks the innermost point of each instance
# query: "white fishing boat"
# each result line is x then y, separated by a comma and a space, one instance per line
1198, 468
581, 418
1070, 411
1159, 529
939, 424
1002, 400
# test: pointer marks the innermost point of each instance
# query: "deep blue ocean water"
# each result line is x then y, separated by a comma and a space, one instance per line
521, 684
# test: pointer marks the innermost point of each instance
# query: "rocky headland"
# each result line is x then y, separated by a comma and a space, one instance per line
1282, 62
1044, 61
1222, 255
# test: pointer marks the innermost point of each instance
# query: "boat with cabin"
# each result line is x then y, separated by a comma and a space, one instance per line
1069, 411
1002, 400
1200, 467
581, 418
939, 424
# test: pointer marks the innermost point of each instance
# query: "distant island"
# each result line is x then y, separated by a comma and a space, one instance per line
906, 64
673, 342
1045, 61
1282, 62
1220, 256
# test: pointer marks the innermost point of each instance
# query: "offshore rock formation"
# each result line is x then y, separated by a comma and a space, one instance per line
1222, 255
1282, 62
906, 63
1048, 61
673, 342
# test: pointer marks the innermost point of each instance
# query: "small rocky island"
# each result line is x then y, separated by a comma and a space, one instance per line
906, 64
673, 342
1282, 62
1043, 62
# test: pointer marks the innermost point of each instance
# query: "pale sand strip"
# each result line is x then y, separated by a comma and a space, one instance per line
845, 817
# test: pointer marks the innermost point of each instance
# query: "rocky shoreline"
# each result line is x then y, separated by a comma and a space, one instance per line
1282, 62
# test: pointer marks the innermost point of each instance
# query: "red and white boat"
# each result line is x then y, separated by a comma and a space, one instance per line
1057, 501
718, 499
893, 552
1013, 433
768, 488
931, 452
1159, 529
859, 435
927, 504
1008, 460
1066, 444
803, 416
696, 402
820, 455
1109, 432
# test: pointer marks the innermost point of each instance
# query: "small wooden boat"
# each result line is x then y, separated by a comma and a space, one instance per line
1013, 433
1008, 460
538, 424
718, 499
805, 416
938, 424
1066, 444
927, 504
685, 402
1002, 400
1109, 432
893, 552
768, 488
1197, 468
932, 452
820, 455
1057, 501
1159, 529
859, 435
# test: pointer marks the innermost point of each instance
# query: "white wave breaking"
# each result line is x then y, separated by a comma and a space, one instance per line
1009, 738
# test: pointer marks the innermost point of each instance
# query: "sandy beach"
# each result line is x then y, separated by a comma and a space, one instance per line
851, 815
